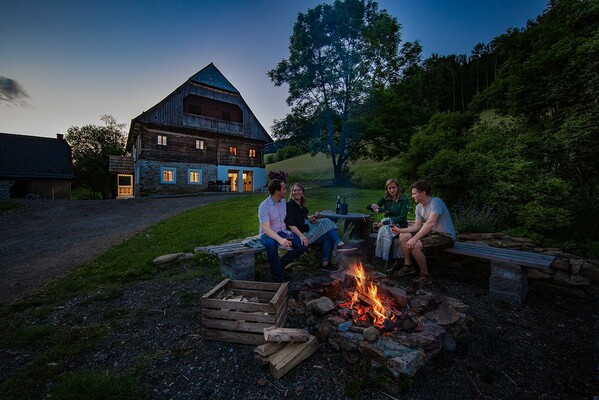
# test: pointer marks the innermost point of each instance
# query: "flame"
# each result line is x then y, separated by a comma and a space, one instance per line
376, 309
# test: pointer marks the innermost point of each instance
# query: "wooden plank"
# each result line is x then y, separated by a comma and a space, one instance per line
266, 286
274, 334
239, 316
290, 356
281, 293
518, 257
264, 297
234, 337
237, 306
237, 326
269, 348
218, 287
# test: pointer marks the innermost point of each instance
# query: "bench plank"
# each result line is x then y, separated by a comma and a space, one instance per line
523, 258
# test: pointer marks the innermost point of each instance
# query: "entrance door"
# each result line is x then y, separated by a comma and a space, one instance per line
233, 184
248, 177
124, 186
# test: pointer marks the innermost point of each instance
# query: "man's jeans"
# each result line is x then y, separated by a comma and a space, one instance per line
272, 253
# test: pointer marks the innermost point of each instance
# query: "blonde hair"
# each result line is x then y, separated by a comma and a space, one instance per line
387, 194
303, 200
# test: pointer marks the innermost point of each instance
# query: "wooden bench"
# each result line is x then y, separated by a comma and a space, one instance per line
237, 261
509, 268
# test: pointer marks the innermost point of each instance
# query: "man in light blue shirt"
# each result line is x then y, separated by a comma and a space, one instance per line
273, 233
433, 229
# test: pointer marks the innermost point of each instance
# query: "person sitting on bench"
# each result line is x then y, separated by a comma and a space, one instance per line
314, 230
273, 233
395, 205
433, 229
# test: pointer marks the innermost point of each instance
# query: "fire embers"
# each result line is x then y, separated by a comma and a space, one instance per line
368, 307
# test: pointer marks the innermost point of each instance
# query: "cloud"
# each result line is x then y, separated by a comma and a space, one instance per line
12, 92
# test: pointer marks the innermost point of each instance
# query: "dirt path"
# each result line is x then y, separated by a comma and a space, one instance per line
42, 240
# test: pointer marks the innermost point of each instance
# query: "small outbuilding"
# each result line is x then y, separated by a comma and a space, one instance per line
35, 167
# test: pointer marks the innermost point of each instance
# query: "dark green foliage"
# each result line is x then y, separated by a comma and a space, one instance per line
475, 219
91, 145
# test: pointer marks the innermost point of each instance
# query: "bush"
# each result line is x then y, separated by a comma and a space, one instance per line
476, 219
282, 175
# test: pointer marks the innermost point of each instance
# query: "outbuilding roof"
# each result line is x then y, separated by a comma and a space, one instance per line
29, 157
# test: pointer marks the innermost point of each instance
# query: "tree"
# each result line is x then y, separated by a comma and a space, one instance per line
11, 91
91, 145
338, 53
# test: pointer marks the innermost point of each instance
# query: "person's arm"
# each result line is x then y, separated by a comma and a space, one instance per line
410, 229
299, 234
400, 212
268, 231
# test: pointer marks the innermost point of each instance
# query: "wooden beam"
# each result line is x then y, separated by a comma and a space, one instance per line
274, 334
286, 359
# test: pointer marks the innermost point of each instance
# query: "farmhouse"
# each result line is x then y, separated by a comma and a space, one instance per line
32, 166
201, 137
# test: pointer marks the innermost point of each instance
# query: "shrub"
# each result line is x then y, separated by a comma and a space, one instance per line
282, 175
476, 219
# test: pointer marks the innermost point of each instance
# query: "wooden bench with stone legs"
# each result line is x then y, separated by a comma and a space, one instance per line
237, 261
509, 268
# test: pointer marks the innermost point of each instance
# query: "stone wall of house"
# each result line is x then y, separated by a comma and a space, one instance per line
150, 185
569, 274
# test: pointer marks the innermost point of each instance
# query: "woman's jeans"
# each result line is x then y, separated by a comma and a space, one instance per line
272, 253
328, 240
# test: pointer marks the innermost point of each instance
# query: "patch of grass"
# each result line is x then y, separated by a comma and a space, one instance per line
100, 386
25, 336
85, 193
6, 205
366, 377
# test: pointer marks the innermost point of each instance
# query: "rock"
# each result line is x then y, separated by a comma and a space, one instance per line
577, 264
564, 278
561, 264
344, 327
590, 271
408, 363
371, 334
348, 340
443, 315
370, 351
321, 306
169, 258
534, 273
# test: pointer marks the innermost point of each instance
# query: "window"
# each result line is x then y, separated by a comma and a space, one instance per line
252, 153
161, 140
168, 175
232, 150
199, 145
194, 177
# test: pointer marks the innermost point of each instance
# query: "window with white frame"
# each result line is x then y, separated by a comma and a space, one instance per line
194, 177
168, 175
252, 153
199, 145
161, 140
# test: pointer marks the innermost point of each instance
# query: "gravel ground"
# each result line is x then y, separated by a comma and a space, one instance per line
42, 240
546, 349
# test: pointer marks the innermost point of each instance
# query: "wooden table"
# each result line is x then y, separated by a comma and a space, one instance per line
362, 223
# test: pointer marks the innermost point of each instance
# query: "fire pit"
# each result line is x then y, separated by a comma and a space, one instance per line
365, 314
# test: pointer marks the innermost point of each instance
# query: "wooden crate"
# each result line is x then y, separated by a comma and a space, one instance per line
243, 321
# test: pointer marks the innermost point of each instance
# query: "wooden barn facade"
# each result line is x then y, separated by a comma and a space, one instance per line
202, 137
35, 167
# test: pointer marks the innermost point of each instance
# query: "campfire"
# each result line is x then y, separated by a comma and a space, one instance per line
363, 313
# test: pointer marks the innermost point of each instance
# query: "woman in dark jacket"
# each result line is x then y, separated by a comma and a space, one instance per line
312, 229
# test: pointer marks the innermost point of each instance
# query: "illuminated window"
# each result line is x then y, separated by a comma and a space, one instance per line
199, 145
161, 140
194, 177
232, 150
252, 153
168, 175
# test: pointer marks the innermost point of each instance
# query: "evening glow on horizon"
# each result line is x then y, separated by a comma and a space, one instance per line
78, 60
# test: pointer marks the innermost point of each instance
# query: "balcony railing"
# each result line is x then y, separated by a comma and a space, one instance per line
212, 124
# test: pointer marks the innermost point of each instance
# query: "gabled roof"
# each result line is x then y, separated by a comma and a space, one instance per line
211, 76
29, 157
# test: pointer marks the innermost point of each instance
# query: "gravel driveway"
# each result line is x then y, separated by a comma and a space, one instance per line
42, 240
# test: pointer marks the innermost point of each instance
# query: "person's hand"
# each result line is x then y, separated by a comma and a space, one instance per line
375, 207
285, 242
411, 243
395, 229
313, 220
304, 240
379, 224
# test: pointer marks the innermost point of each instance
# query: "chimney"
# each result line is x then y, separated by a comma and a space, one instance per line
59, 136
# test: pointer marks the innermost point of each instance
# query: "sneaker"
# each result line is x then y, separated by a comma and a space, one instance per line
390, 265
329, 267
346, 247
406, 270
425, 280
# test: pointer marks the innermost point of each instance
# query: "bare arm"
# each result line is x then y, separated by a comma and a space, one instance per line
410, 229
299, 234
274, 235
427, 227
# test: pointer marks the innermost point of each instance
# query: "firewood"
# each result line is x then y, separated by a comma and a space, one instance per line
283, 361
269, 348
274, 334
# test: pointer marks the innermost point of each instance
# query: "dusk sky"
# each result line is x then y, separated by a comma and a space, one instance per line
80, 59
